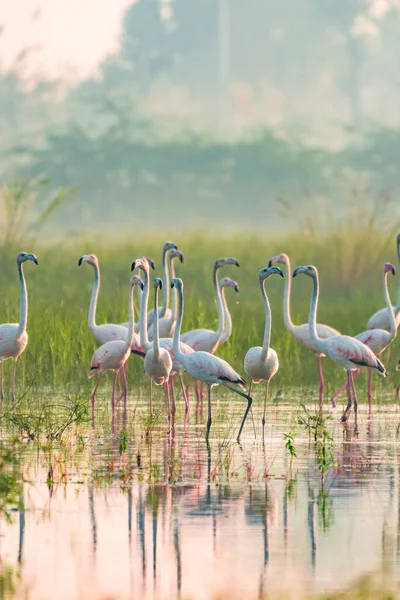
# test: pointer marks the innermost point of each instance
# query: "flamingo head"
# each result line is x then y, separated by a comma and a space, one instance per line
310, 270
227, 282
169, 246
268, 271
280, 259
398, 366
88, 258
24, 256
221, 262
157, 283
151, 262
140, 263
389, 268
176, 254
135, 280
177, 283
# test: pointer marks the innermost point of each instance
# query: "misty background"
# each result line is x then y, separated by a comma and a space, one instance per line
213, 112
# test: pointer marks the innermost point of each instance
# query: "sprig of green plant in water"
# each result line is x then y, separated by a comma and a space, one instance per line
316, 425
291, 448
10, 480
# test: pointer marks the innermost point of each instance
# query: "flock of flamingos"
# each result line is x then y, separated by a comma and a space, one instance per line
167, 352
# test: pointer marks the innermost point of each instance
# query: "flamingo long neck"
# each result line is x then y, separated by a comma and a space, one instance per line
144, 340
286, 299
166, 264
131, 327
173, 300
177, 333
156, 338
221, 318
23, 299
392, 319
93, 299
267, 329
312, 319
228, 321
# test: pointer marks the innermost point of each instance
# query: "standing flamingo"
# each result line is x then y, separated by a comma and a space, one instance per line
113, 355
157, 362
344, 350
301, 332
376, 339
261, 363
226, 282
167, 323
109, 331
206, 367
166, 343
13, 336
381, 319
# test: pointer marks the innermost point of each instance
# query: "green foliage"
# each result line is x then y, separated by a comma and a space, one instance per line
316, 425
10, 480
291, 448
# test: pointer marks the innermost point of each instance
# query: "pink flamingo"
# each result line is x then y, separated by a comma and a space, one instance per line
158, 362
106, 332
13, 336
301, 332
167, 323
344, 350
376, 339
205, 367
166, 343
382, 319
113, 355
261, 363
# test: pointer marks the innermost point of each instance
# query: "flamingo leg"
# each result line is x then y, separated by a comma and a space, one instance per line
13, 380
184, 392
173, 408
209, 420
249, 402
250, 386
166, 387
338, 392
265, 404
353, 388
321, 380
398, 394
369, 391
93, 397
2, 382
113, 391
125, 392
151, 397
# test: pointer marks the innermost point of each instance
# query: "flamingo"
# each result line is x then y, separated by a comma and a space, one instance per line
344, 350
206, 367
109, 331
166, 343
13, 336
261, 363
157, 362
376, 339
167, 323
381, 319
226, 282
113, 355
301, 332
398, 385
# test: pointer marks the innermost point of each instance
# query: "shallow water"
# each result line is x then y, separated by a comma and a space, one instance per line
163, 515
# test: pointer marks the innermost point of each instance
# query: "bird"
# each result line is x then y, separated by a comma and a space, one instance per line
13, 336
376, 339
261, 362
167, 323
166, 343
398, 385
224, 283
206, 367
113, 355
381, 319
108, 331
344, 350
158, 361
206, 339
301, 332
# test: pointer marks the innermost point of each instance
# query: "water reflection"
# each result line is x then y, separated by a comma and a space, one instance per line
157, 512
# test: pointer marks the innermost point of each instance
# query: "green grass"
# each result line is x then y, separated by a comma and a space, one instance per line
60, 346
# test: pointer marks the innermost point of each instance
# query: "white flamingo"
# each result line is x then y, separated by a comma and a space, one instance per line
344, 350
113, 355
158, 362
381, 319
206, 339
224, 283
301, 332
167, 323
376, 339
261, 362
206, 367
166, 343
108, 331
13, 336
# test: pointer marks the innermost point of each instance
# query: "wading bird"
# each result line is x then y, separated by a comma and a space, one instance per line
224, 283
301, 332
13, 336
261, 362
376, 339
344, 350
381, 319
113, 355
158, 362
206, 367
167, 323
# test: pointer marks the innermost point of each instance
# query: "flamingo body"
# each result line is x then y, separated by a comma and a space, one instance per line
111, 356
301, 334
381, 319
158, 361
350, 353
12, 342
259, 368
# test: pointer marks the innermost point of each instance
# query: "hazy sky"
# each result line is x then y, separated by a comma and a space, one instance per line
69, 36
